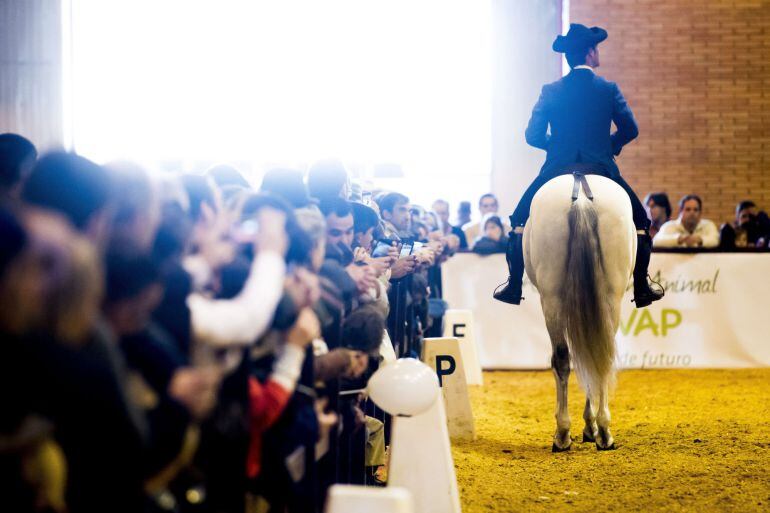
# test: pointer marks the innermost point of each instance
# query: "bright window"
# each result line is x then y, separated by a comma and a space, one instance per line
397, 82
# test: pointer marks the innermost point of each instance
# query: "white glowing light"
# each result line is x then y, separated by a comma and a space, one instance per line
286, 81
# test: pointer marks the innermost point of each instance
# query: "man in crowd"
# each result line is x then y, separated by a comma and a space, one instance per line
339, 222
441, 208
689, 230
750, 228
17, 156
463, 213
658, 210
328, 179
339, 241
396, 223
394, 208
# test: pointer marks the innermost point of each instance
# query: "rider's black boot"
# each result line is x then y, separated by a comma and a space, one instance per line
514, 255
643, 294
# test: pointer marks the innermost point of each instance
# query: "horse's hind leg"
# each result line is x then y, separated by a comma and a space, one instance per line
604, 439
591, 430
560, 366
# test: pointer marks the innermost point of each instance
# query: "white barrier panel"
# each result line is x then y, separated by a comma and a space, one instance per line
371, 499
421, 461
459, 324
714, 314
420, 456
444, 357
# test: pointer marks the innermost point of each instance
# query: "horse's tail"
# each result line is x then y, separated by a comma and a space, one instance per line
587, 317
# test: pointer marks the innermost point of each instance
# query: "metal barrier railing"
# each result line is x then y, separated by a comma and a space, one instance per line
406, 332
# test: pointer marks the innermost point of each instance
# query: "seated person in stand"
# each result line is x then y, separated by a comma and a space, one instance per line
689, 230
493, 239
658, 210
750, 228
487, 205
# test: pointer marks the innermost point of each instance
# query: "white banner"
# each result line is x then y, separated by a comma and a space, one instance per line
716, 313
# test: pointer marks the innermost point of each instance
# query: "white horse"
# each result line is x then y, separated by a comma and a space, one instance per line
580, 255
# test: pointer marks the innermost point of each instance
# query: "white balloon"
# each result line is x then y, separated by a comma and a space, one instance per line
405, 387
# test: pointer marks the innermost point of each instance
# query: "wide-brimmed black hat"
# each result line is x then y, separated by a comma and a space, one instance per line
579, 37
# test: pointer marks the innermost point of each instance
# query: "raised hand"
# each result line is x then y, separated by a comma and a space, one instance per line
196, 389
363, 275
404, 266
271, 231
306, 328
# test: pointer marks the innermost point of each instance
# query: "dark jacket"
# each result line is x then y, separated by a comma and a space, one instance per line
456, 230
78, 389
579, 109
486, 246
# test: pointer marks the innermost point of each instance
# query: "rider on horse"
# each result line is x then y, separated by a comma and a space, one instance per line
580, 109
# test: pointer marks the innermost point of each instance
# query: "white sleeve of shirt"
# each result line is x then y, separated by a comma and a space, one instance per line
288, 366
667, 236
709, 234
241, 320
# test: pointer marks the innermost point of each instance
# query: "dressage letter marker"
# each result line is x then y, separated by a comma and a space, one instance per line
459, 324
442, 371
445, 356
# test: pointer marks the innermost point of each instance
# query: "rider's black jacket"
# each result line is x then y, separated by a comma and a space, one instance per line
579, 109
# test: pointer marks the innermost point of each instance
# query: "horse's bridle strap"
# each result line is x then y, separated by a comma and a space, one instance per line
580, 180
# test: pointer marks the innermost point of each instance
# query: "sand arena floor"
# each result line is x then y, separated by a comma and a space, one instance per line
688, 440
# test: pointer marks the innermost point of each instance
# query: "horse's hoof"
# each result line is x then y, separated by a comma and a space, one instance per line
556, 448
608, 448
588, 438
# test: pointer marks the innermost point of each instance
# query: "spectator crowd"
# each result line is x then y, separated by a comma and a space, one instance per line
749, 230
189, 343
689, 230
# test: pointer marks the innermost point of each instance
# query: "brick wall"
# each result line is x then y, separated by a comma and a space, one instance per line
697, 75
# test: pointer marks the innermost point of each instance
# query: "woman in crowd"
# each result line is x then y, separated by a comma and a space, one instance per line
493, 239
658, 210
